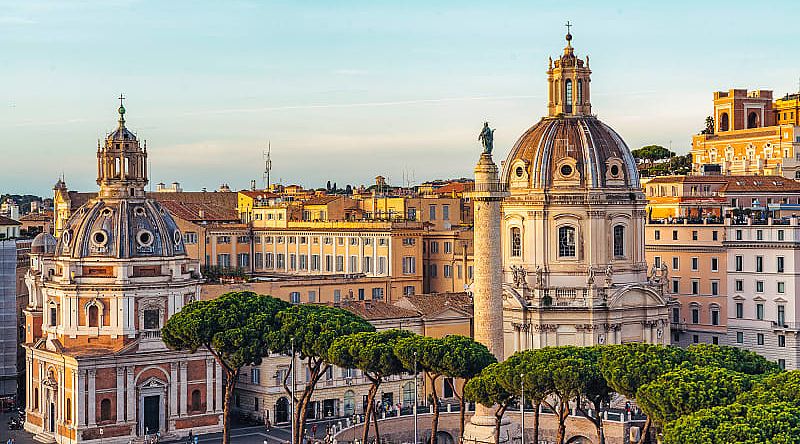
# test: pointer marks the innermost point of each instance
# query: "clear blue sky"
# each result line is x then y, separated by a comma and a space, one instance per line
349, 90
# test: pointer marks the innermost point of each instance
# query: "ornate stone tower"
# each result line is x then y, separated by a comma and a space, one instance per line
568, 80
488, 280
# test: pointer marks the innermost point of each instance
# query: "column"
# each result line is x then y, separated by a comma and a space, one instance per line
80, 398
130, 398
90, 373
120, 394
218, 388
209, 387
184, 388
76, 392
173, 389
60, 394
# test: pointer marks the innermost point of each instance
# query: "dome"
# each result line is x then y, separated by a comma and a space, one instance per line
570, 152
43, 243
121, 228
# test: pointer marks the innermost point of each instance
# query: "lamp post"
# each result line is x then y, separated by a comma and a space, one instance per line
293, 397
416, 438
522, 407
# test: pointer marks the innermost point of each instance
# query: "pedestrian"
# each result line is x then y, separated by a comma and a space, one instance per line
191, 437
314, 431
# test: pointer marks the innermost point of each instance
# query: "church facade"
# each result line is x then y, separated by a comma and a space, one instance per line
98, 297
572, 229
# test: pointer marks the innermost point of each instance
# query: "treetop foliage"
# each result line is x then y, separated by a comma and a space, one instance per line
776, 423
315, 327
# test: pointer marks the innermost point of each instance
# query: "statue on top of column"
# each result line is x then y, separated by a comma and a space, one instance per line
486, 137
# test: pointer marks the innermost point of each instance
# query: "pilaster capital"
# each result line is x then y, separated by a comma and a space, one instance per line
91, 372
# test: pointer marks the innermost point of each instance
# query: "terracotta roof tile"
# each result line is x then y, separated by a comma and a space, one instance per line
8, 221
191, 211
431, 304
377, 310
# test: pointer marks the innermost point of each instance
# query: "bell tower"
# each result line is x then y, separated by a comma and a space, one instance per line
121, 162
568, 82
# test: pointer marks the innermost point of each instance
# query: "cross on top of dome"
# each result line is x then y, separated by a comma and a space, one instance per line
121, 111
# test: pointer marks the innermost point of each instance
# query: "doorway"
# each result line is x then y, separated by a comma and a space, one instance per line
282, 411
152, 405
53, 417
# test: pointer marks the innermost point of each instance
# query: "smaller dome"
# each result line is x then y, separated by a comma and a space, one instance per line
44, 243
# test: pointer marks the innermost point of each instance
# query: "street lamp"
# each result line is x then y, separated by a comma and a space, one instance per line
522, 406
416, 439
293, 397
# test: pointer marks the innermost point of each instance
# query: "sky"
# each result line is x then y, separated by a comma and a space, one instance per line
347, 90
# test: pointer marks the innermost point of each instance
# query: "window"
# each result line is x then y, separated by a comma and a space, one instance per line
782, 364
695, 339
366, 264
674, 234
714, 235
619, 240
676, 315
695, 264
382, 265
566, 242
255, 375
242, 239
105, 410
739, 284
340, 241
294, 297
657, 261
568, 96
738, 234
190, 237
657, 235
580, 92
259, 259
407, 241
715, 340
339, 263
312, 296
759, 264
432, 212
408, 290
760, 338
94, 316
675, 286
152, 319
337, 295
223, 239
243, 260
781, 287
780, 235
739, 310
781, 341
434, 247
714, 288
408, 394
280, 261
780, 265
315, 262
53, 316
695, 315
759, 234
739, 337
760, 311
448, 247
738, 263
409, 265
714, 317
224, 260
676, 337
328, 262
781, 315
516, 242
447, 270
675, 263
723, 122
69, 410
360, 294
353, 264
270, 262
432, 271
349, 403
694, 234
695, 286
714, 264
292, 261
445, 212
759, 286
303, 262
377, 294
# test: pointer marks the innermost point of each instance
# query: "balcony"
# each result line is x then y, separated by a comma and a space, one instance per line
150, 334
786, 326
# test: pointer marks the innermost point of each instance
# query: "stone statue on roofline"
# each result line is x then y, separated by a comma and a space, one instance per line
486, 137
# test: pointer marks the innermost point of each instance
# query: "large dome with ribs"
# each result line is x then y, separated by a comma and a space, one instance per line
570, 152
121, 228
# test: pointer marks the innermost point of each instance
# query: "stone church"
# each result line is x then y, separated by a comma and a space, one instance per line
98, 297
572, 229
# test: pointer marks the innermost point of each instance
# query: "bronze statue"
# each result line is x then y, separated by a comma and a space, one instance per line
486, 137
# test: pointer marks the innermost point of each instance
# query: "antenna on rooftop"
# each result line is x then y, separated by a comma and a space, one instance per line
267, 164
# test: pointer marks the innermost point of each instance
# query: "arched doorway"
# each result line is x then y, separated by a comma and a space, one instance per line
52, 417
723, 122
579, 440
282, 411
752, 120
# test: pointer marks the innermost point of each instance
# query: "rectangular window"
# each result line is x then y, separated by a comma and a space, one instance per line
738, 234
714, 264
760, 311
694, 234
360, 294
448, 271
695, 286
781, 341
781, 287
760, 338
408, 241
366, 264
759, 264
714, 235
695, 339
255, 376
695, 315
294, 297
434, 247
340, 241
223, 239
190, 237
303, 262
448, 247
270, 261
243, 260
714, 288
242, 239
339, 263
432, 270
432, 212
781, 315
676, 315
782, 364
314, 262
409, 265
382, 265
259, 260
695, 264
377, 293
408, 290
738, 263
657, 235
739, 284
328, 263
674, 234
445, 212
312, 296
224, 260
280, 261
675, 286
675, 263
337, 295
470, 270
657, 262
739, 337
714, 317
780, 235
353, 265
780, 265
759, 286
739, 310
759, 234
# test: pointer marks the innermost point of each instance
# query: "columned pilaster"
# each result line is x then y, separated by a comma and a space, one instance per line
218, 387
173, 389
209, 385
90, 374
184, 388
80, 398
120, 394
130, 398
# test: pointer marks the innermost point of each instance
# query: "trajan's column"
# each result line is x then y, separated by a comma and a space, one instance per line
487, 288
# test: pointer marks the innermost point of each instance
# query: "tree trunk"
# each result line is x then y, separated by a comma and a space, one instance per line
498, 422
230, 384
369, 412
316, 371
646, 431
563, 413
435, 416
377, 432
536, 406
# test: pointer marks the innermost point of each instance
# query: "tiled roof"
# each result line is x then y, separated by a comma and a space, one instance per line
259, 194
321, 200
454, 187
222, 199
735, 183
376, 310
8, 221
431, 304
191, 211
78, 198
36, 217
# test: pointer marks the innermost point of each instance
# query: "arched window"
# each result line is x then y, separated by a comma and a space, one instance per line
566, 242
723, 122
94, 316
516, 242
752, 120
408, 394
619, 240
69, 410
349, 403
568, 96
105, 410
580, 92
195, 400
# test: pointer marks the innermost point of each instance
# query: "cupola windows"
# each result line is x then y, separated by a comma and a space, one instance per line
568, 96
619, 241
566, 242
516, 242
